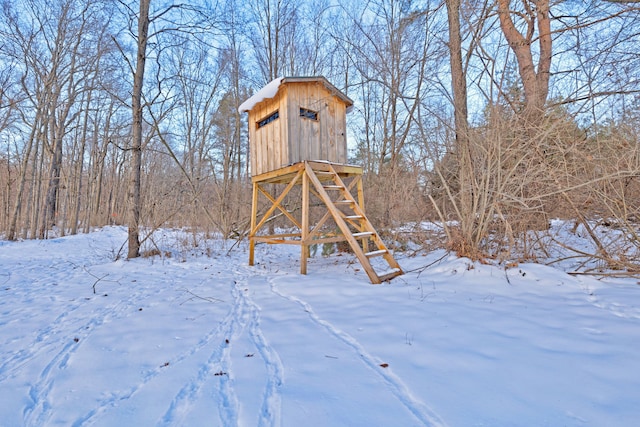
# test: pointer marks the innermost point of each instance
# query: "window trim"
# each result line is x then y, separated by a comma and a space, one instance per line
268, 119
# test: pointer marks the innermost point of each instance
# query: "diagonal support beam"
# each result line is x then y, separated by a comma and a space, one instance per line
280, 208
276, 204
325, 181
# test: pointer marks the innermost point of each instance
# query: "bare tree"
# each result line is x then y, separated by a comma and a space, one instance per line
459, 90
135, 201
50, 39
534, 17
275, 37
391, 49
164, 23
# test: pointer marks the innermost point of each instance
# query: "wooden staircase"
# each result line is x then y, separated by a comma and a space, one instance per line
325, 181
352, 222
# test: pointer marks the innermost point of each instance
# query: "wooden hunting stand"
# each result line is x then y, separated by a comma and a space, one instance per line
291, 121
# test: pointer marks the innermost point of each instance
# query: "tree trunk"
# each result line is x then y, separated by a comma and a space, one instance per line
135, 200
459, 89
51, 198
80, 166
13, 221
535, 81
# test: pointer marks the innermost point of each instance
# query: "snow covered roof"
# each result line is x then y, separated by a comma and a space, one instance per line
267, 92
271, 90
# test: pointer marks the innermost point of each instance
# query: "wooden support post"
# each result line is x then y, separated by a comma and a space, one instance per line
254, 216
304, 233
360, 190
324, 181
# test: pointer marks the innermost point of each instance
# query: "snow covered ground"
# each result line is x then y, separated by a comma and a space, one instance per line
196, 337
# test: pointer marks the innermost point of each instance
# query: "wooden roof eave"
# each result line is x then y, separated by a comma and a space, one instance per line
273, 88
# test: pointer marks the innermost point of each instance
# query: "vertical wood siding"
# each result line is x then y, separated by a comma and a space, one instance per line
291, 138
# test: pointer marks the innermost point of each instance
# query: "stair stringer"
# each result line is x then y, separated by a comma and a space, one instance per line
365, 226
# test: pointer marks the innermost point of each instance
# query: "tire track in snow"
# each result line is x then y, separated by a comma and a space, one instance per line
39, 411
112, 401
42, 342
419, 409
189, 391
218, 365
271, 408
38, 345
244, 314
55, 340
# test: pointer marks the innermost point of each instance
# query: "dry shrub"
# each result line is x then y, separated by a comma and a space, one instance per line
462, 247
395, 197
155, 252
231, 208
524, 173
207, 204
519, 171
613, 192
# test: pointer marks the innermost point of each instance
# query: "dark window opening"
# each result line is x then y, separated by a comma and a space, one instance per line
308, 114
271, 117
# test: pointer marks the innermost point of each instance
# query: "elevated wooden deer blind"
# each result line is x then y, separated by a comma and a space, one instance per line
298, 151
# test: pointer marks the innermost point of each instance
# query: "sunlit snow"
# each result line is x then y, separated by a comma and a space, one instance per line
196, 337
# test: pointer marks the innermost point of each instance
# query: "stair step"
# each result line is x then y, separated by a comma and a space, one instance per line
352, 217
349, 216
388, 275
376, 253
363, 234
